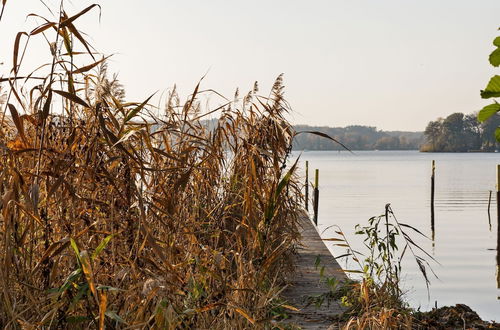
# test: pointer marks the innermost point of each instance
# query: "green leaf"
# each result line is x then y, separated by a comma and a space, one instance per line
497, 134
493, 88
67, 41
286, 179
317, 261
75, 248
70, 279
496, 42
495, 57
82, 290
101, 246
76, 319
108, 288
271, 208
112, 315
488, 111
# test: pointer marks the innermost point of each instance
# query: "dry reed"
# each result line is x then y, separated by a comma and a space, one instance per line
112, 216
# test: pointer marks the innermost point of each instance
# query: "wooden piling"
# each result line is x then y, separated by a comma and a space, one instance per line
307, 185
489, 205
432, 195
498, 196
316, 197
498, 226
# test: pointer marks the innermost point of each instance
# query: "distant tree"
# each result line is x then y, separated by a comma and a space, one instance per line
489, 127
472, 131
403, 142
453, 130
433, 132
388, 143
461, 133
356, 137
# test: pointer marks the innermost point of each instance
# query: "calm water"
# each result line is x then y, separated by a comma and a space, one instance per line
354, 188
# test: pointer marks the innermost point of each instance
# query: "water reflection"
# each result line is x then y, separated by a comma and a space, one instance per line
463, 235
433, 231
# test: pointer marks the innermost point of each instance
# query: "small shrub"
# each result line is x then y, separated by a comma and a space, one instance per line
376, 300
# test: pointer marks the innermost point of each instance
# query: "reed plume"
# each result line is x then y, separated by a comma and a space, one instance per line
114, 216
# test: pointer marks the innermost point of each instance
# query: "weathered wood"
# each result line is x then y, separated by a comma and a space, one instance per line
498, 177
432, 196
489, 205
498, 226
316, 197
307, 185
307, 282
498, 196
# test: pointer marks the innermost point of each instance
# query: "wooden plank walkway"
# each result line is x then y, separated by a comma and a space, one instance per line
307, 282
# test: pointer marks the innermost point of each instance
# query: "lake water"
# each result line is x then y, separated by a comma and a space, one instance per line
355, 187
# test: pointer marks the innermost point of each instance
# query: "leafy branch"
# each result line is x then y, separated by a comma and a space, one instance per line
492, 90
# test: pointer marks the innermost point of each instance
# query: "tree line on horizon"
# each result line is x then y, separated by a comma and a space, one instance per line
461, 133
356, 137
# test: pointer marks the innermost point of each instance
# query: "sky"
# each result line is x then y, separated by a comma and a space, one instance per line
393, 64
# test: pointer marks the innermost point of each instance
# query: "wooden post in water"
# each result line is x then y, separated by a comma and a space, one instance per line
498, 196
316, 197
489, 205
498, 226
307, 185
432, 196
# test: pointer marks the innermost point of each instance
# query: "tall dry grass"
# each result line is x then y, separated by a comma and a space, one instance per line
113, 216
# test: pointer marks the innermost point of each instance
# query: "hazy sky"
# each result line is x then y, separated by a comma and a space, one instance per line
394, 64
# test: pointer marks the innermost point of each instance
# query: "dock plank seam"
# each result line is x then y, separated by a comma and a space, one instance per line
306, 282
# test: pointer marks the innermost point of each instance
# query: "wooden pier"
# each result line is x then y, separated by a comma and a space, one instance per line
306, 283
